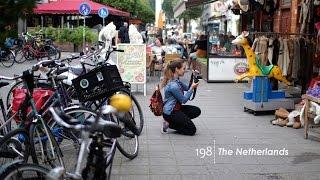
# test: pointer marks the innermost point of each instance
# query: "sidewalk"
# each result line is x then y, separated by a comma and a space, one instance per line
222, 124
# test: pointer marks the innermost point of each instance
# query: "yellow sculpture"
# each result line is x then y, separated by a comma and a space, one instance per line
254, 63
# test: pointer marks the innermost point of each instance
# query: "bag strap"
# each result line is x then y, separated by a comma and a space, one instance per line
195, 89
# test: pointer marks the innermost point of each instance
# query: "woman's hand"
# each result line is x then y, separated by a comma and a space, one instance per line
194, 85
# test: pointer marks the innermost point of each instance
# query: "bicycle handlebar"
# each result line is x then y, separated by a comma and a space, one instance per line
108, 128
10, 78
43, 63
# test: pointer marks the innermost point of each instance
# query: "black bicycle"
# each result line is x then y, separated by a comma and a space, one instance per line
102, 145
7, 57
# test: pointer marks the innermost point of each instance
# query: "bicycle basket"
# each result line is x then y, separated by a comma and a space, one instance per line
98, 83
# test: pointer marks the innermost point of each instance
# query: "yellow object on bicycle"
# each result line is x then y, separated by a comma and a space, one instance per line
121, 102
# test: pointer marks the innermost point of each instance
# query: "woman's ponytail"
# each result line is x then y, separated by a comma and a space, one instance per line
169, 71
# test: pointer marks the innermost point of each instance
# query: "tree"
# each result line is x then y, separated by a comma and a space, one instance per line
152, 4
11, 10
138, 8
189, 14
167, 8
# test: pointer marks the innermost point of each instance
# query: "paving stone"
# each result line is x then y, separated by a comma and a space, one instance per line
165, 177
134, 170
164, 170
194, 170
162, 161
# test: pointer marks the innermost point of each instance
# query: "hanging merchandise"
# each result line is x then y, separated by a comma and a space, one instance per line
293, 53
316, 61
305, 15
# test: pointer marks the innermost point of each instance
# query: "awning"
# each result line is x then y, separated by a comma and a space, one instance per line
185, 4
72, 7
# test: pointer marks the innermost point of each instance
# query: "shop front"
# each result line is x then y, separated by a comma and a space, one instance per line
225, 61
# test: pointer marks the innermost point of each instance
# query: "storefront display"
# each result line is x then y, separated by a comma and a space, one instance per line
225, 69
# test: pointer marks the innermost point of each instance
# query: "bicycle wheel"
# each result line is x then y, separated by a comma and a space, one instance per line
52, 52
20, 56
128, 146
16, 145
8, 59
136, 112
41, 142
24, 171
128, 143
28, 54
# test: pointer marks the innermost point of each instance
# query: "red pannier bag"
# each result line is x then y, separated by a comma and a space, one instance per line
39, 95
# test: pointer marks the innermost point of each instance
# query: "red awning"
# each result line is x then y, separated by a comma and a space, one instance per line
72, 7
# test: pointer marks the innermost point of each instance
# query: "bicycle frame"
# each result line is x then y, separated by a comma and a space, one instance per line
37, 53
3, 121
35, 114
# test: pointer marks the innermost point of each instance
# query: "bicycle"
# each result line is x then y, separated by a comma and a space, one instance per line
32, 121
102, 133
34, 48
136, 111
7, 57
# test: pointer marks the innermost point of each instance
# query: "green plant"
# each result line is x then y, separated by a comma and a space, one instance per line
76, 37
50, 32
64, 35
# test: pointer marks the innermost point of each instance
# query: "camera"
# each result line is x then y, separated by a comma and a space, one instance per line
196, 76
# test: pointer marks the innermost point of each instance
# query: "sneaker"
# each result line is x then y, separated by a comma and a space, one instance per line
297, 125
164, 127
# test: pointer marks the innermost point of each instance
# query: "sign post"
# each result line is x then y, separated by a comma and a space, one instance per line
132, 64
103, 13
84, 9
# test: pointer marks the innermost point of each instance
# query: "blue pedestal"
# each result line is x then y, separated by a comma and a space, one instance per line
262, 91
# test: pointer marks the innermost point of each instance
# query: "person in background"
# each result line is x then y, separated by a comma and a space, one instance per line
171, 48
158, 53
183, 47
201, 51
123, 33
177, 116
227, 43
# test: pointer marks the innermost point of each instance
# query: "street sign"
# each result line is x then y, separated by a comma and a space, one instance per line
103, 12
84, 9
